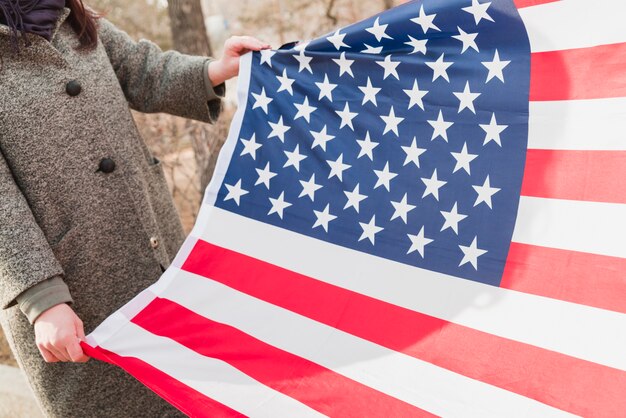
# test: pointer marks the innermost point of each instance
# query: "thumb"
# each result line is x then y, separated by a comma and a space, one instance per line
80, 330
77, 354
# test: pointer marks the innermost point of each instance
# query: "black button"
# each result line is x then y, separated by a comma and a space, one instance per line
107, 165
73, 88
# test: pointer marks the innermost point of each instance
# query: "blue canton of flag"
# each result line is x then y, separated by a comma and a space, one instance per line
403, 136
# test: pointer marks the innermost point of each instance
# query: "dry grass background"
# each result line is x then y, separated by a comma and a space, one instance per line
5, 352
187, 147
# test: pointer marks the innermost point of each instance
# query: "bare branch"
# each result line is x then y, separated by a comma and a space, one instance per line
329, 10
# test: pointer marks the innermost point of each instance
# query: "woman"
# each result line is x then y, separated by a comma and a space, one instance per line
86, 219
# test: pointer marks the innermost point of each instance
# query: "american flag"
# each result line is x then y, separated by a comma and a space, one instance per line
421, 214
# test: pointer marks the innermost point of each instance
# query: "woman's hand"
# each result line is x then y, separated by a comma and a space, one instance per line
58, 332
227, 67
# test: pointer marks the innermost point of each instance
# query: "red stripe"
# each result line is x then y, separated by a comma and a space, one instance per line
183, 397
583, 73
591, 279
564, 382
598, 176
528, 3
318, 387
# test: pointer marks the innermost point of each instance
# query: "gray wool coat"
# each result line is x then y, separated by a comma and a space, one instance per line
84, 206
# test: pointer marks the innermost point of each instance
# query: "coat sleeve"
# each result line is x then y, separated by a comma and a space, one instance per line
26, 258
157, 81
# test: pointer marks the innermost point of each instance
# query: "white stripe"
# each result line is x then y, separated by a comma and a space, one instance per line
571, 24
107, 329
591, 227
598, 124
213, 378
576, 330
419, 383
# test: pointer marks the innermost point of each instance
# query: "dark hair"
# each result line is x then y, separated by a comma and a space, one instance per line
83, 21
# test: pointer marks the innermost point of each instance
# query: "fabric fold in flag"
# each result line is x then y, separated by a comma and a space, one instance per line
420, 214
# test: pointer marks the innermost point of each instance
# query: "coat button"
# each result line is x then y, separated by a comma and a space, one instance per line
73, 88
154, 242
107, 165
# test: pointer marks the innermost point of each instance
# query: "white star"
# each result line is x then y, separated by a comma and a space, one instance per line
337, 168
418, 45
418, 242
309, 188
413, 153
376, 50
416, 95
479, 11
326, 88
337, 40
367, 146
433, 185
369, 93
485, 192
463, 159
402, 209
466, 98
440, 127
265, 175
346, 116
279, 205
321, 138
304, 110
384, 177
392, 122
452, 219
261, 100
370, 230
493, 131
468, 39
354, 199
285, 83
304, 61
293, 158
440, 68
471, 254
390, 67
495, 67
266, 56
235, 192
278, 130
345, 65
323, 218
250, 146
378, 30
425, 21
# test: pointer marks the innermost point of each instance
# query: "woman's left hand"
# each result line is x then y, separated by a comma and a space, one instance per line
227, 66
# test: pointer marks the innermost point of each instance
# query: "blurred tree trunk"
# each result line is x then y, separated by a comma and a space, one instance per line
188, 31
190, 36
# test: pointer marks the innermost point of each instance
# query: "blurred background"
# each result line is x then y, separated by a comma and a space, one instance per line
189, 149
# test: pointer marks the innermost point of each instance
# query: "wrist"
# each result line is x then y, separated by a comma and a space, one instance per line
52, 312
217, 73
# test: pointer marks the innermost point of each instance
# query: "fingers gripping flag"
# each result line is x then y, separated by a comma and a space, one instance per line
421, 214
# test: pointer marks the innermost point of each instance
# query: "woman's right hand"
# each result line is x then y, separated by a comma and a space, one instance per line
58, 333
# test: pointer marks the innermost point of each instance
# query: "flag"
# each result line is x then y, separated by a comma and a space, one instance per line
421, 214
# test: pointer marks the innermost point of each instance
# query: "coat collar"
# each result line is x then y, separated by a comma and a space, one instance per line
5, 31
